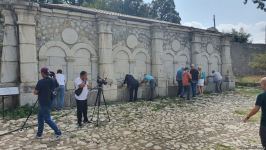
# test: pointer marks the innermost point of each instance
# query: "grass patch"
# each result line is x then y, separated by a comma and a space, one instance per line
243, 112
248, 91
222, 147
19, 112
249, 79
158, 107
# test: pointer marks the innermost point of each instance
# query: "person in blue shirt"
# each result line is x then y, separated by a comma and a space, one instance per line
44, 89
179, 75
152, 84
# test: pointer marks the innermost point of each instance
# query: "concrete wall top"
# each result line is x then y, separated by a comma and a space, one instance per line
123, 18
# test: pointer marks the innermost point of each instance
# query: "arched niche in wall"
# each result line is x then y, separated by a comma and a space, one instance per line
182, 59
53, 55
83, 55
121, 56
215, 62
169, 66
142, 63
205, 64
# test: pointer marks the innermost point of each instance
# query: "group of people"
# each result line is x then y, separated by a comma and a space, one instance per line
188, 79
50, 90
193, 79
134, 84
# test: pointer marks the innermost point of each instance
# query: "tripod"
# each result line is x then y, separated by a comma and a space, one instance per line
24, 123
97, 104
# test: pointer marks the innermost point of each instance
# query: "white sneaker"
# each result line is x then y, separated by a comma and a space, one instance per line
56, 138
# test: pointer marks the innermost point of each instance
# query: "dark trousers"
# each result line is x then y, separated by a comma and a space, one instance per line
218, 86
187, 91
82, 110
133, 92
180, 88
194, 87
263, 136
152, 84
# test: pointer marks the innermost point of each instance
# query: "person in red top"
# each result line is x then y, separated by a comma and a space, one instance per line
186, 78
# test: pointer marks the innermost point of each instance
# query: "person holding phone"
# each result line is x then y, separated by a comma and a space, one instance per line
81, 94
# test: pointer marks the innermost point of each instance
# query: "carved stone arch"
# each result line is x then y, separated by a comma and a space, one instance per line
171, 53
215, 62
183, 53
205, 62
217, 56
141, 63
122, 48
86, 46
47, 46
141, 50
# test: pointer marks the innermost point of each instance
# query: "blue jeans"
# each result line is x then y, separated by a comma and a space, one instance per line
45, 116
59, 101
194, 87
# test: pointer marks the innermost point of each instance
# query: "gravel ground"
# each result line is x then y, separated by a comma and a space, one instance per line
207, 122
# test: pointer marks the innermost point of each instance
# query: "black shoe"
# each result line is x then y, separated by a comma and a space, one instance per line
87, 122
79, 125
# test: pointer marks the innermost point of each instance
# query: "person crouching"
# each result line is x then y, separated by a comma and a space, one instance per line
133, 86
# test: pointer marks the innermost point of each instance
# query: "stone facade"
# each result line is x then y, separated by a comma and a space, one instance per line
102, 43
242, 54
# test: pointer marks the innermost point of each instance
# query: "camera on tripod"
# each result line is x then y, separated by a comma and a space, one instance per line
101, 81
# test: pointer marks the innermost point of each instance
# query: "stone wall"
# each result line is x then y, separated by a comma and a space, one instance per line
242, 54
110, 45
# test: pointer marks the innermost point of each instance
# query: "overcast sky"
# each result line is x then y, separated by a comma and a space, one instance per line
229, 14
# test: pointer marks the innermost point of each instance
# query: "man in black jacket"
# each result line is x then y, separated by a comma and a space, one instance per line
194, 81
133, 86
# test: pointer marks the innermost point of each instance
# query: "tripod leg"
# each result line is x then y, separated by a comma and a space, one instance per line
99, 103
29, 115
95, 103
106, 107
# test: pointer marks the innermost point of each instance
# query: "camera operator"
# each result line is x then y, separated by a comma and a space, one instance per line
152, 84
133, 86
81, 94
44, 89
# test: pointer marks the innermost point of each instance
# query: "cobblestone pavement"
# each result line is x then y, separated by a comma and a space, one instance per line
208, 122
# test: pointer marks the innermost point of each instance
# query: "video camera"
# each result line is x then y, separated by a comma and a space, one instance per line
101, 81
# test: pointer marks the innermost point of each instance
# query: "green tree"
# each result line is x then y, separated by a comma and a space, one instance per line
240, 36
165, 10
260, 4
258, 62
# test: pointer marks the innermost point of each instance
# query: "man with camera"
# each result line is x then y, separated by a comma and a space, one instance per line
45, 91
81, 93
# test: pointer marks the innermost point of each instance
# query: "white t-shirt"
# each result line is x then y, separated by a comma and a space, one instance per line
60, 79
85, 91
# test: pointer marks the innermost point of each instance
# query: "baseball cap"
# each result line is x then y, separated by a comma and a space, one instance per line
45, 70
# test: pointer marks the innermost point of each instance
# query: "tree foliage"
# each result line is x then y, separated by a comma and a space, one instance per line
260, 4
157, 9
165, 10
240, 36
259, 62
